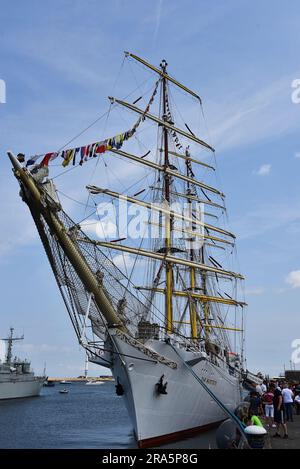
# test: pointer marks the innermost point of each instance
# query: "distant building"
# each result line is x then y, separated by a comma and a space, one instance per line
292, 375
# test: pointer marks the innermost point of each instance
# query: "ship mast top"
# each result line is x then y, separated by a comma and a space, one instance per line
168, 218
10, 339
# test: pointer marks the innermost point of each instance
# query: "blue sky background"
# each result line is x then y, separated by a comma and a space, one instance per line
61, 60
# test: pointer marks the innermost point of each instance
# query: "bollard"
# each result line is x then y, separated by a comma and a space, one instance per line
256, 436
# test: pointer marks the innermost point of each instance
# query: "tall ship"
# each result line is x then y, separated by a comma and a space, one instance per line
151, 289
17, 380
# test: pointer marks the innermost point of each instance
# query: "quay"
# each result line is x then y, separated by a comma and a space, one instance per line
80, 379
207, 440
292, 442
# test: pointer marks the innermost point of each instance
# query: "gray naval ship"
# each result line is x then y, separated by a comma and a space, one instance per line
16, 378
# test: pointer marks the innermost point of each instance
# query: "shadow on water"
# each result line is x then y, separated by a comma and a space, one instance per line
86, 417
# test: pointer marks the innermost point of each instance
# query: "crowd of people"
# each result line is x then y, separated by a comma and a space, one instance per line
273, 404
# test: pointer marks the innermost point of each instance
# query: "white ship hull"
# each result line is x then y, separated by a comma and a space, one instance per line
18, 389
187, 409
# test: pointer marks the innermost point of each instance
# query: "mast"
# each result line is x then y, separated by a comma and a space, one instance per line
205, 305
168, 219
163, 74
10, 339
162, 122
192, 305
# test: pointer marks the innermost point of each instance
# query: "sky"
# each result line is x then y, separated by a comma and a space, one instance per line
62, 59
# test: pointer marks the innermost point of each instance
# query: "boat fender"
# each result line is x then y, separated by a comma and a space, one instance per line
119, 388
161, 387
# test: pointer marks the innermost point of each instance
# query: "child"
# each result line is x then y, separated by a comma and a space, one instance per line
254, 420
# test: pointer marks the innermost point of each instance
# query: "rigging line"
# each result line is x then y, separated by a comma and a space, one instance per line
66, 294
118, 353
83, 131
126, 190
138, 132
136, 257
66, 171
217, 175
223, 406
139, 142
145, 176
179, 335
160, 318
159, 315
109, 254
119, 73
135, 79
98, 159
137, 298
123, 256
75, 166
88, 216
220, 371
205, 123
204, 171
122, 354
98, 119
73, 200
151, 124
191, 300
114, 105
95, 121
116, 177
134, 264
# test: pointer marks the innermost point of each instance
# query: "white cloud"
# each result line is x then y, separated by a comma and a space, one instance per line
293, 279
124, 260
264, 170
157, 20
254, 116
297, 154
96, 228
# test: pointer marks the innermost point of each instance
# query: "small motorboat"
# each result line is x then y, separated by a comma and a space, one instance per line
93, 383
64, 391
49, 384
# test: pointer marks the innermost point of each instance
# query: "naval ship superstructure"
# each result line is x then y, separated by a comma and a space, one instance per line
17, 380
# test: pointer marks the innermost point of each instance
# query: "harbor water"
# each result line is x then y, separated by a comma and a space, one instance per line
88, 417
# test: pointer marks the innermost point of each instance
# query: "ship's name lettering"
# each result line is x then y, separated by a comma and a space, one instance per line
209, 381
